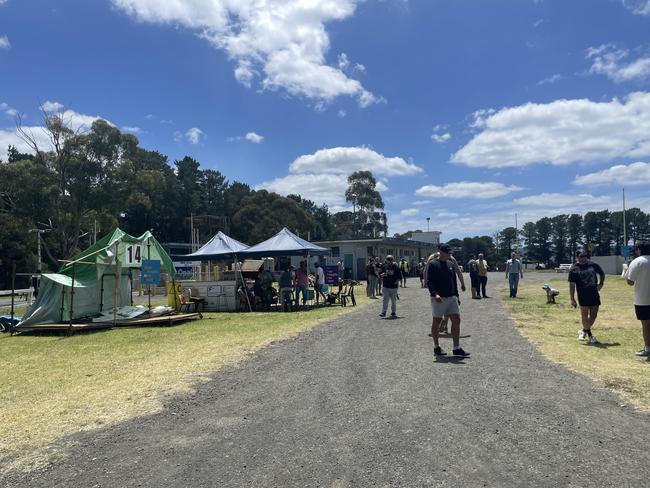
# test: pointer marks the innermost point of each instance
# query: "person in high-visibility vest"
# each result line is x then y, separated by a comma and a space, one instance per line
404, 268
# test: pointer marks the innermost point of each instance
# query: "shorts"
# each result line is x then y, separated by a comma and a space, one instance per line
588, 297
448, 306
642, 312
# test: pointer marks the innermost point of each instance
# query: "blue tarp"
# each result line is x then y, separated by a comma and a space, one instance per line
219, 247
284, 243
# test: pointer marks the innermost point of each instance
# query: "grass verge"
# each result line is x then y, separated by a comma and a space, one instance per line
54, 385
554, 329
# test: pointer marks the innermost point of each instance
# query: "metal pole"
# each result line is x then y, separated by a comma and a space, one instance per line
149, 258
624, 224
71, 301
428, 219
13, 290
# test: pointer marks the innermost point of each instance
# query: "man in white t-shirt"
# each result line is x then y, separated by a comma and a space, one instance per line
320, 281
638, 274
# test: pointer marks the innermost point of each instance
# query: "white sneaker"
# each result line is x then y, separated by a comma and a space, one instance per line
593, 340
581, 335
644, 353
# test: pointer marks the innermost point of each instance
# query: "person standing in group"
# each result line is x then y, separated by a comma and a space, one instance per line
404, 270
638, 275
318, 285
378, 267
341, 268
483, 267
302, 283
587, 278
391, 276
286, 289
513, 272
472, 267
441, 273
444, 323
421, 272
372, 279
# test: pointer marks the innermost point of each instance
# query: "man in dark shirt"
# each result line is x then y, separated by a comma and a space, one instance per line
444, 302
391, 275
584, 277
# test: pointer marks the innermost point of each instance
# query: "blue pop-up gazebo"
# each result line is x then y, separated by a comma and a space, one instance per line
284, 243
220, 248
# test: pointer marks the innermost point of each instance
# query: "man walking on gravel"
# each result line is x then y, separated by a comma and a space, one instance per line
513, 272
444, 302
584, 277
638, 274
391, 276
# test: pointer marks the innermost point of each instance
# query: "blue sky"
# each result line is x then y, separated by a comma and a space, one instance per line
467, 111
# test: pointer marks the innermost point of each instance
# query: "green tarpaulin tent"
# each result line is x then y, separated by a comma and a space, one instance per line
101, 276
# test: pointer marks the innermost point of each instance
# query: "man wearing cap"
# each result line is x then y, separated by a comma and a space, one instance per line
584, 277
441, 273
391, 276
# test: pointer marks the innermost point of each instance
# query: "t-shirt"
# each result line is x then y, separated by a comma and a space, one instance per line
391, 275
639, 272
472, 266
320, 276
586, 275
302, 279
285, 279
440, 278
482, 267
371, 269
513, 266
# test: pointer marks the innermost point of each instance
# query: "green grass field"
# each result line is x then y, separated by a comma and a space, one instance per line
554, 329
54, 385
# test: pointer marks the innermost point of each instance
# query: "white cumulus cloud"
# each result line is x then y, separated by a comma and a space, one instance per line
49, 106
350, 159
560, 132
467, 189
74, 120
280, 43
409, 212
133, 130
4, 42
564, 200
319, 188
614, 63
625, 175
254, 138
194, 135
550, 80
639, 7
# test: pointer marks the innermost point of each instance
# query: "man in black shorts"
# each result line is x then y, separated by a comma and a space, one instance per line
441, 274
584, 277
638, 275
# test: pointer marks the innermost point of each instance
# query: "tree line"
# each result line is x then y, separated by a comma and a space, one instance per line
83, 185
551, 241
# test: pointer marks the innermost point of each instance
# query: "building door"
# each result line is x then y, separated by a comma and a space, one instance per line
361, 269
348, 262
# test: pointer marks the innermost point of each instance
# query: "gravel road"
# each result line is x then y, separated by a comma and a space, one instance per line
361, 401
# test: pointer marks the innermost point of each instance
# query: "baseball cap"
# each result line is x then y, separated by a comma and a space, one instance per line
446, 248
390, 258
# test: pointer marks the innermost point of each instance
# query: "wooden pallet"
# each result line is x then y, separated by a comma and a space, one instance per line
164, 320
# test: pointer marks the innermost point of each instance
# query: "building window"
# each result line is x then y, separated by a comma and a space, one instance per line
336, 251
370, 251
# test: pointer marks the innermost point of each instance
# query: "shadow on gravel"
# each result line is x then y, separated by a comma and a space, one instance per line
449, 359
447, 334
604, 345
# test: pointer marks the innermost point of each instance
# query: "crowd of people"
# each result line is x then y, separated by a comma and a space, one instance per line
441, 274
